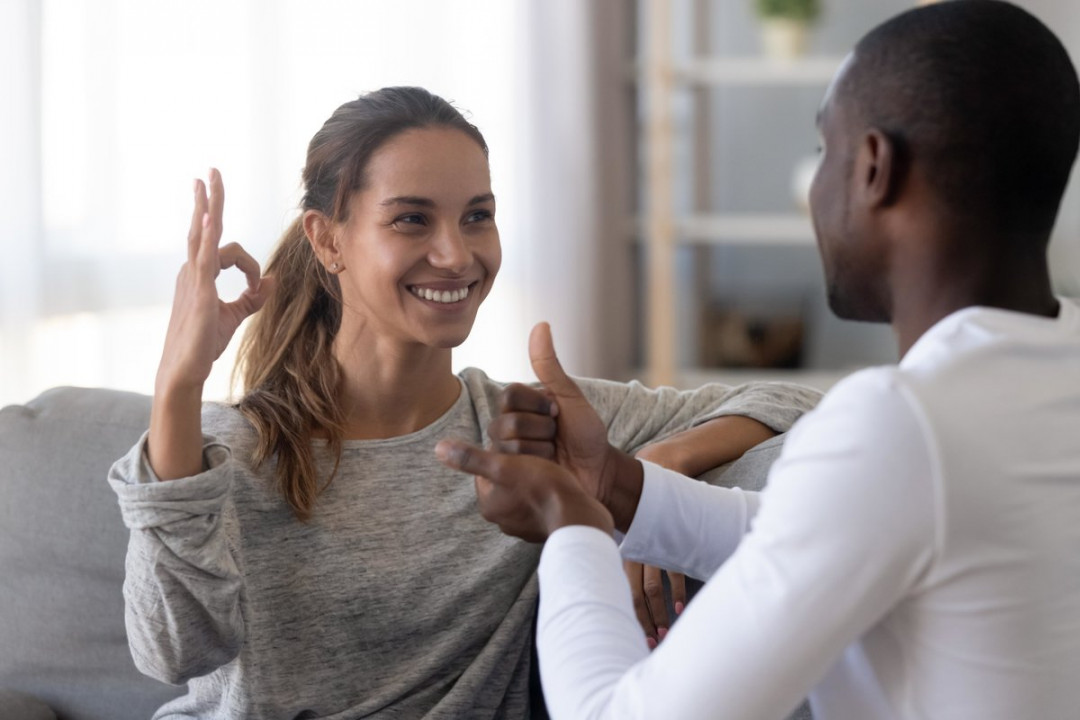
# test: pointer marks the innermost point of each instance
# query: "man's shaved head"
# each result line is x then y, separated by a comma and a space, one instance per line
984, 97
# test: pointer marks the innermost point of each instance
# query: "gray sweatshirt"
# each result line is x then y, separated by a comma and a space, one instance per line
397, 600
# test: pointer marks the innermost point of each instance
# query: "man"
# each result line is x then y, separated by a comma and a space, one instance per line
917, 551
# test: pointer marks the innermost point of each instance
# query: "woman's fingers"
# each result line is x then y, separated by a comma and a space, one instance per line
634, 574
678, 591
195, 231
217, 201
652, 583
210, 232
233, 254
258, 289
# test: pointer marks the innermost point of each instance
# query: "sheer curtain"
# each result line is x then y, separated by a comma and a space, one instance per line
118, 104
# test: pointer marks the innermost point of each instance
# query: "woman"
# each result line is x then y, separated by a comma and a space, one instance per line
303, 554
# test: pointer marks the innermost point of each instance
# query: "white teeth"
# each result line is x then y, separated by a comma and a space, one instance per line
442, 296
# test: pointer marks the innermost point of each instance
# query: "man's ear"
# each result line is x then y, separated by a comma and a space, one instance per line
878, 169
320, 233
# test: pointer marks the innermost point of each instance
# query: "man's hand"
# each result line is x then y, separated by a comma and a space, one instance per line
557, 423
526, 496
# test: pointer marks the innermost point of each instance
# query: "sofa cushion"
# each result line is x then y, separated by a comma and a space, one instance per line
62, 549
20, 706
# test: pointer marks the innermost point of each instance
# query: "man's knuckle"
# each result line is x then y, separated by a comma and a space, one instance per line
510, 396
497, 427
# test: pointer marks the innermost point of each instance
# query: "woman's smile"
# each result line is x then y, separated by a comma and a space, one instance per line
442, 293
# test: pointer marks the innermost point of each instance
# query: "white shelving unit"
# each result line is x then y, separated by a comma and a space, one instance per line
663, 230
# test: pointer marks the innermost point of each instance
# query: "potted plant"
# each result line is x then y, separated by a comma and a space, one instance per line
784, 25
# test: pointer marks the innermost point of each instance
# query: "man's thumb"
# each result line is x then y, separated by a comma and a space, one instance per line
546, 365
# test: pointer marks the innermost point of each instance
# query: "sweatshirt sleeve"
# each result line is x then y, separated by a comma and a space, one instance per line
183, 585
637, 415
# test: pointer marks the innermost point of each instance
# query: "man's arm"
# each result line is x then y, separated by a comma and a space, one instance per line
843, 532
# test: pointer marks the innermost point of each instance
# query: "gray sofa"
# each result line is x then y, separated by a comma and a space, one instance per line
63, 649
62, 548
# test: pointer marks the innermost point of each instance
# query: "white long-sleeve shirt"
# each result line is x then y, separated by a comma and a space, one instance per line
916, 553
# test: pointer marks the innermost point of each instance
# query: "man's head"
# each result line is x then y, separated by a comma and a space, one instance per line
967, 112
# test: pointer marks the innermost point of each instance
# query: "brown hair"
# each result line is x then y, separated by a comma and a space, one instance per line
285, 362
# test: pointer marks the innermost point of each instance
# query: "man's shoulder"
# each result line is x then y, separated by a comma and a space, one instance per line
872, 405
866, 387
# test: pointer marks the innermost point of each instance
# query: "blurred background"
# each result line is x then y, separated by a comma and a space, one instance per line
650, 161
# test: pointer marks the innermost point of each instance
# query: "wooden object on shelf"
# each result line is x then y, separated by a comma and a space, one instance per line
735, 338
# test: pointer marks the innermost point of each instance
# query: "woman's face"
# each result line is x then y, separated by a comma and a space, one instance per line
420, 247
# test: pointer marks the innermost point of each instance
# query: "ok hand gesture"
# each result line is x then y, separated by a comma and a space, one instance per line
202, 323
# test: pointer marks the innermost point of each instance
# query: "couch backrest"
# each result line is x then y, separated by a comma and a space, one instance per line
62, 549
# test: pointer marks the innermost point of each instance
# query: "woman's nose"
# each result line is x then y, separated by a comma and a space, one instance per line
449, 251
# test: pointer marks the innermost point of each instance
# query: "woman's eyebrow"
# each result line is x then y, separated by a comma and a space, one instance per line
408, 200
428, 202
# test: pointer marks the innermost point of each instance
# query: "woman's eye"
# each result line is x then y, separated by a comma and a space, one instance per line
411, 219
480, 216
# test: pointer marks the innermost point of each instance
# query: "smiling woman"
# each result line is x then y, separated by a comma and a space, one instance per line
303, 553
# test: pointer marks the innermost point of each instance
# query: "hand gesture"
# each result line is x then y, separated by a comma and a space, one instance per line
556, 423
526, 496
201, 324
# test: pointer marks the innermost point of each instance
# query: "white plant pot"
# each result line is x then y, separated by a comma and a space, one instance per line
783, 39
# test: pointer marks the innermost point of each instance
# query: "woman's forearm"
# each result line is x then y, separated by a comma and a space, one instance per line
713, 443
174, 448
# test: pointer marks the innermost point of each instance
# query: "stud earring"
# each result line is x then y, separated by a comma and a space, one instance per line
333, 267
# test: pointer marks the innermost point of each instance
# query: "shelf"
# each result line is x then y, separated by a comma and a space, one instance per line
726, 228
758, 71
776, 229
750, 70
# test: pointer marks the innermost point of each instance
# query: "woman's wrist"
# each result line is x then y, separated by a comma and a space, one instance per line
670, 455
174, 447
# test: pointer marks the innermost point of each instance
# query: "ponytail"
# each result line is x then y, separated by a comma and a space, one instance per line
288, 369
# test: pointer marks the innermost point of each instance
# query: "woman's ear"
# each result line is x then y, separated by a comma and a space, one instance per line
320, 233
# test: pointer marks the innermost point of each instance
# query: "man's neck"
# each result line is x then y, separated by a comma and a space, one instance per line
1023, 287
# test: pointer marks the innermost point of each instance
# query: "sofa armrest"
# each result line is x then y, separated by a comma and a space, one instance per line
750, 471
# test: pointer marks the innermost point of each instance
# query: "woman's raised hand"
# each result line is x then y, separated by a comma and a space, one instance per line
202, 324
200, 328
